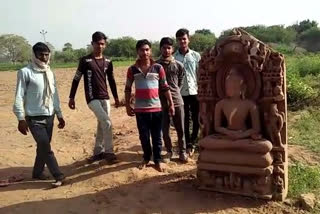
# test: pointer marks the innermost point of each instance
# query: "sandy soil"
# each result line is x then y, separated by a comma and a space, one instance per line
102, 188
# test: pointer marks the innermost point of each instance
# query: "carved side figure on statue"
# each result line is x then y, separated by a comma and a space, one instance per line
274, 121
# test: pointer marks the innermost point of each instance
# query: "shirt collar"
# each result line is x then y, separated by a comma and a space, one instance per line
167, 60
188, 51
92, 56
138, 63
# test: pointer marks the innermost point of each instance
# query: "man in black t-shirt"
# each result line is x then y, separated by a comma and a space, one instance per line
96, 69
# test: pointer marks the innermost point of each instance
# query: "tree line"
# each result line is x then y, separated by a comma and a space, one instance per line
302, 36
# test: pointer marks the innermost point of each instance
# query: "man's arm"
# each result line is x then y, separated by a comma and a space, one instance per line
181, 75
112, 83
167, 94
56, 105
164, 87
18, 106
75, 84
198, 58
21, 88
127, 92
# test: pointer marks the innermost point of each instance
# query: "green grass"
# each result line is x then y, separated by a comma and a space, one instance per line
64, 65
305, 131
303, 179
14, 67
10, 67
123, 63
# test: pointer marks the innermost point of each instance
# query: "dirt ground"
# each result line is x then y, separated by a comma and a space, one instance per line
102, 188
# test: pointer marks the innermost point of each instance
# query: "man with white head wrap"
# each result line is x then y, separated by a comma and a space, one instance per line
36, 104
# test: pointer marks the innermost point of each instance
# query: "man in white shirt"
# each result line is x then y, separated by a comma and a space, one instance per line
190, 60
36, 104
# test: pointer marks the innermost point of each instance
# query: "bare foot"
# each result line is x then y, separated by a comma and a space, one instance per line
143, 164
158, 167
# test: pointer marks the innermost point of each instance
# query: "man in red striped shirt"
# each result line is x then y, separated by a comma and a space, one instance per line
149, 78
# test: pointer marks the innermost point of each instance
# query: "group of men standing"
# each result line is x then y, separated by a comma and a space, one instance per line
165, 90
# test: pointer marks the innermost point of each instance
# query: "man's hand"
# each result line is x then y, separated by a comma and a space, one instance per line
130, 111
23, 127
72, 104
62, 123
171, 106
171, 110
117, 103
234, 134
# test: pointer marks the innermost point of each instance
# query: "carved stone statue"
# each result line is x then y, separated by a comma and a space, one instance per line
278, 94
274, 122
243, 149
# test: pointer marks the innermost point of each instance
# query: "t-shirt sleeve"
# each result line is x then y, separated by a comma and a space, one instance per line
163, 85
181, 74
77, 78
129, 81
111, 80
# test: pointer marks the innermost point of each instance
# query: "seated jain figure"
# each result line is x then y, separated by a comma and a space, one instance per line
237, 155
236, 111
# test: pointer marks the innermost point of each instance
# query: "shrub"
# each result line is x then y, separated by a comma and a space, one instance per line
299, 93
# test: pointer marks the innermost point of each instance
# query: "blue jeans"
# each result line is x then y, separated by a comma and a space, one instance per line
150, 123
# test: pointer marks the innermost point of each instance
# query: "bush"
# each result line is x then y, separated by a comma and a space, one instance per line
310, 39
299, 93
283, 48
309, 65
200, 42
302, 80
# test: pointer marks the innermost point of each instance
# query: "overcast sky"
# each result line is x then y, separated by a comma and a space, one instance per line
74, 21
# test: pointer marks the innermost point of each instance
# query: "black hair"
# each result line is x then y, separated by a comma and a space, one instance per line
40, 47
166, 41
97, 36
182, 32
141, 43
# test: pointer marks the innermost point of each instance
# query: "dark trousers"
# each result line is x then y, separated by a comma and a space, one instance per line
150, 123
41, 128
191, 104
178, 122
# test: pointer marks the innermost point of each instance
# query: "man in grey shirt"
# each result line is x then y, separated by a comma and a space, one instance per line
174, 75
